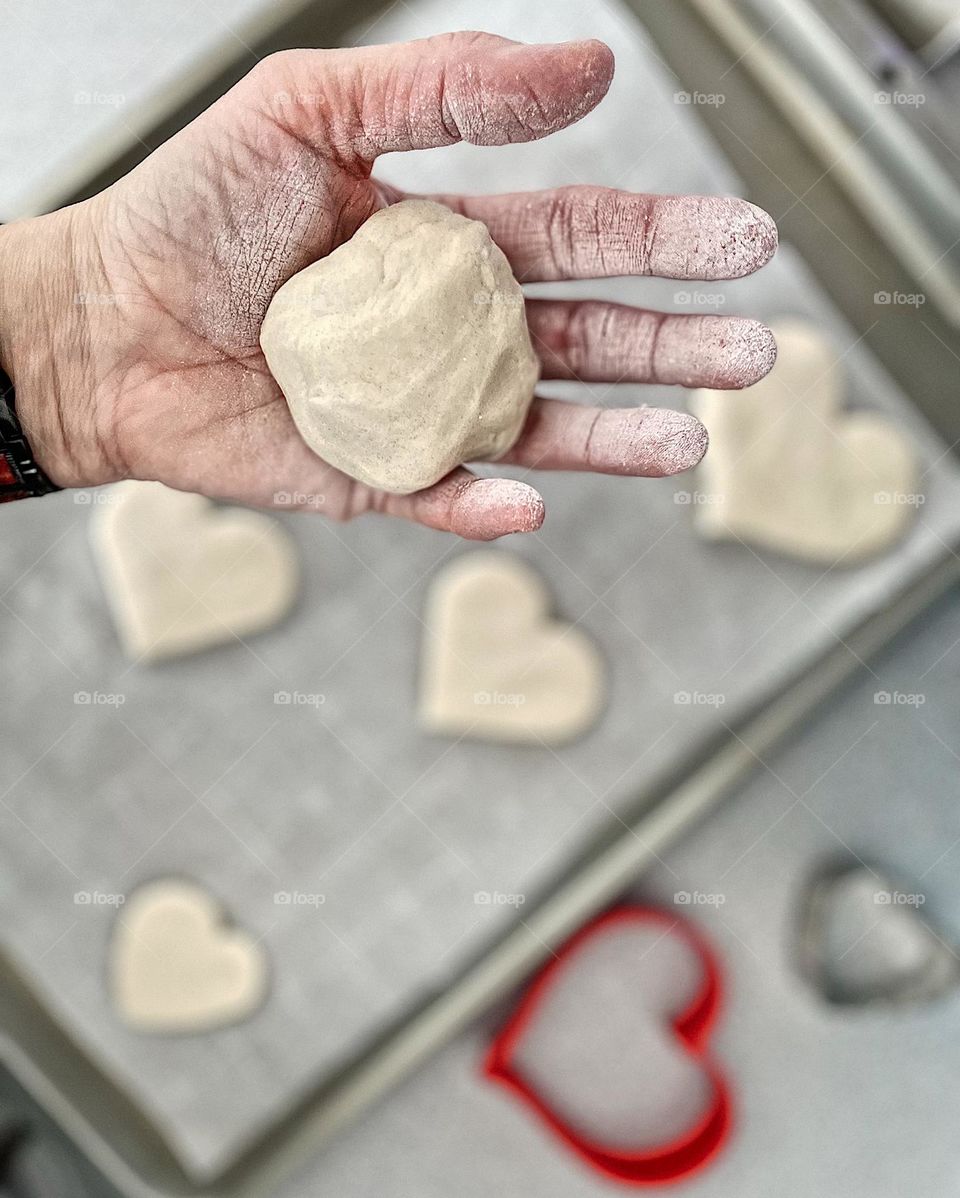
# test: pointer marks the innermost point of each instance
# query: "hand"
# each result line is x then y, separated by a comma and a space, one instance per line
131, 330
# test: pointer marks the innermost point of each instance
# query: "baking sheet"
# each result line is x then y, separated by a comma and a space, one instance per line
385, 834
821, 1092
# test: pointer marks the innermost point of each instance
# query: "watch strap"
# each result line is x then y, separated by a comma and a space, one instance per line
20, 476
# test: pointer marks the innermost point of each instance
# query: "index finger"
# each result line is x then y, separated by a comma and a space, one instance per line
586, 232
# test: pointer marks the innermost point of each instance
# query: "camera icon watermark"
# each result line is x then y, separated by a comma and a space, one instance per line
511, 298
899, 698
702, 99
298, 499
286, 99
97, 299
98, 498
699, 698
699, 299
99, 698
299, 898
899, 498
699, 898
900, 99
697, 498
898, 898
899, 299
497, 898
95, 99
499, 698
298, 699
97, 898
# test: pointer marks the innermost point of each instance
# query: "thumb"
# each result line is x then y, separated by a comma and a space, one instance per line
473, 87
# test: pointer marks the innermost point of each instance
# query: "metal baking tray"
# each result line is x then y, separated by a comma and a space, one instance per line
109, 1130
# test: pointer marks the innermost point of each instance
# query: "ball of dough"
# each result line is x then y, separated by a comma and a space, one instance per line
405, 351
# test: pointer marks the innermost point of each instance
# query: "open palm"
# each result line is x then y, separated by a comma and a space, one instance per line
193, 244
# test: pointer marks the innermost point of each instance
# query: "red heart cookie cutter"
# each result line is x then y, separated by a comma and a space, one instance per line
688, 1152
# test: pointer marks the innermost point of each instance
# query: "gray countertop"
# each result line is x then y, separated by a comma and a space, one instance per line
78, 77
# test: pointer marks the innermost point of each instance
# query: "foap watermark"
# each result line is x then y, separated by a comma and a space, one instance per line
98, 898
898, 99
95, 99
100, 498
898, 898
699, 299
99, 698
499, 698
899, 698
298, 699
296, 99
299, 898
497, 898
697, 498
513, 299
899, 299
899, 498
97, 299
298, 499
699, 699
699, 898
702, 99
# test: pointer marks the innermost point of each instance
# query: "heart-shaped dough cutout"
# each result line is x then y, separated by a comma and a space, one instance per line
609, 1048
177, 967
182, 574
863, 940
789, 470
496, 666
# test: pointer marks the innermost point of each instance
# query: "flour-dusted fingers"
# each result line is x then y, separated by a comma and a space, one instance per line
609, 343
365, 101
478, 509
587, 232
271, 466
641, 442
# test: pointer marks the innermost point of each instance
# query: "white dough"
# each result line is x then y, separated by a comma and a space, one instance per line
182, 574
496, 666
176, 967
788, 469
405, 352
